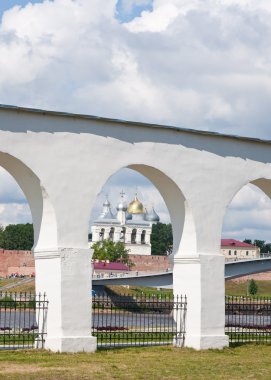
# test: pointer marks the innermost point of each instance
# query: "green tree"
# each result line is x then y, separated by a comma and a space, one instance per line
267, 248
1, 236
264, 247
252, 287
17, 236
161, 239
248, 241
260, 244
112, 251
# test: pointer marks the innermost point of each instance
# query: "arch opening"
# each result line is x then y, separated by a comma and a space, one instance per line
150, 198
143, 235
247, 222
41, 209
133, 236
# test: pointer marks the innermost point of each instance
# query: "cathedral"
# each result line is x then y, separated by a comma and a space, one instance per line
131, 224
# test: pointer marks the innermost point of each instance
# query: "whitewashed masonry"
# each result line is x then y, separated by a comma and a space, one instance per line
61, 161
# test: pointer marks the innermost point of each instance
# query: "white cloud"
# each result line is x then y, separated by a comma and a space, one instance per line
127, 7
156, 21
13, 213
10, 192
193, 63
187, 62
13, 204
249, 215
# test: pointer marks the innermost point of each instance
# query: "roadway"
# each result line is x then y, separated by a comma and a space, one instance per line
233, 269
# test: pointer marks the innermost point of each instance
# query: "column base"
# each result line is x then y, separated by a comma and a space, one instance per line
71, 344
205, 342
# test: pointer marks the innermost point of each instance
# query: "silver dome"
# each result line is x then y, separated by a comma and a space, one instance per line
106, 213
122, 206
106, 203
152, 216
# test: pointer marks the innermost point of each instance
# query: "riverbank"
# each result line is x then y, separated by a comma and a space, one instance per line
232, 287
239, 288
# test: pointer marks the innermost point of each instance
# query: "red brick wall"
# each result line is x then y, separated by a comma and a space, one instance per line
150, 263
15, 259
9, 260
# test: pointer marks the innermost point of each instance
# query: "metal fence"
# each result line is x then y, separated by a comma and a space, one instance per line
138, 321
248, 319
22, 320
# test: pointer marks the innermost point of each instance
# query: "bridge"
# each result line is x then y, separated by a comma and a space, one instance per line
233, 270
61, 162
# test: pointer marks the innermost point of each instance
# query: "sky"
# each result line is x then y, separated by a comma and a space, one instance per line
190, 63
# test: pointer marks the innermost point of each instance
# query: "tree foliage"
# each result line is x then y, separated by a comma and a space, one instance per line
17, 236
161, 239
110, 250
252, 287
264, 247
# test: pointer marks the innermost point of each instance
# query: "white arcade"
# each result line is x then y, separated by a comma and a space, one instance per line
61, 161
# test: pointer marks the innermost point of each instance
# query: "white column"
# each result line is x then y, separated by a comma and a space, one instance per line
201, 279
65, 276
138, 235
117, 234
106, 232
198, 273
128, 236
95, 233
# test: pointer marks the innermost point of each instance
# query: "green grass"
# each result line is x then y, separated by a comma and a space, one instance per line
27, 287
133, 336
139, 291
153, 363
9, 281
231, 287
261, 337
11, 339
240, 288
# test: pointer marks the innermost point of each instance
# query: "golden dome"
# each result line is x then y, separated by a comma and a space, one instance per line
136, 207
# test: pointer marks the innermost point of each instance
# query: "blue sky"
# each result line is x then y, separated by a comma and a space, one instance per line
127, 10
7, 4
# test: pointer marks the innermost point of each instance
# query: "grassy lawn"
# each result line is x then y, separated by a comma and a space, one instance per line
29, 287
244, 362
240, 289
8, 281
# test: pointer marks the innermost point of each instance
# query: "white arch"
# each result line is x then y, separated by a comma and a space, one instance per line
183, 226
43, 216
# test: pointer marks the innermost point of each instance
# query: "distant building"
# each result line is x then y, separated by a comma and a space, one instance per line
235, 249
131, 225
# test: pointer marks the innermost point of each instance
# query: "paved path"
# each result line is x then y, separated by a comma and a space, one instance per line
21, 282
